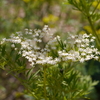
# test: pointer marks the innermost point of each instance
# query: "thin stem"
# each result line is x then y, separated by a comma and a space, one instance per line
95, 7
94, 31
44, 79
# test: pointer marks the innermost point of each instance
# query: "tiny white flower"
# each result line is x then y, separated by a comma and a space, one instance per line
82, 60
92, 40
96, 57
12, 45
83, 54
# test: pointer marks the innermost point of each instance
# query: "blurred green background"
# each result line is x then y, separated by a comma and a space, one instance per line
16, 15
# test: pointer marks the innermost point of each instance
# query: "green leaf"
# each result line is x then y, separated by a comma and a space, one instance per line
2, 65
3, 50
65, 98
31, 74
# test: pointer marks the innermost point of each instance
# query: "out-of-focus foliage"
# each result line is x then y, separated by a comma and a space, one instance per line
21, 14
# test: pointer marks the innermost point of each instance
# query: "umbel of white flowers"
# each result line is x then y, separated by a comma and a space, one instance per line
38, 44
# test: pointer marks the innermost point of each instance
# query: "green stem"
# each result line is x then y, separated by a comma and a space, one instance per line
94, 31
44, 79
96, 7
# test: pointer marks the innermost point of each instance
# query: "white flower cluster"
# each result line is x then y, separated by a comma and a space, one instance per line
37, 45
82, 49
